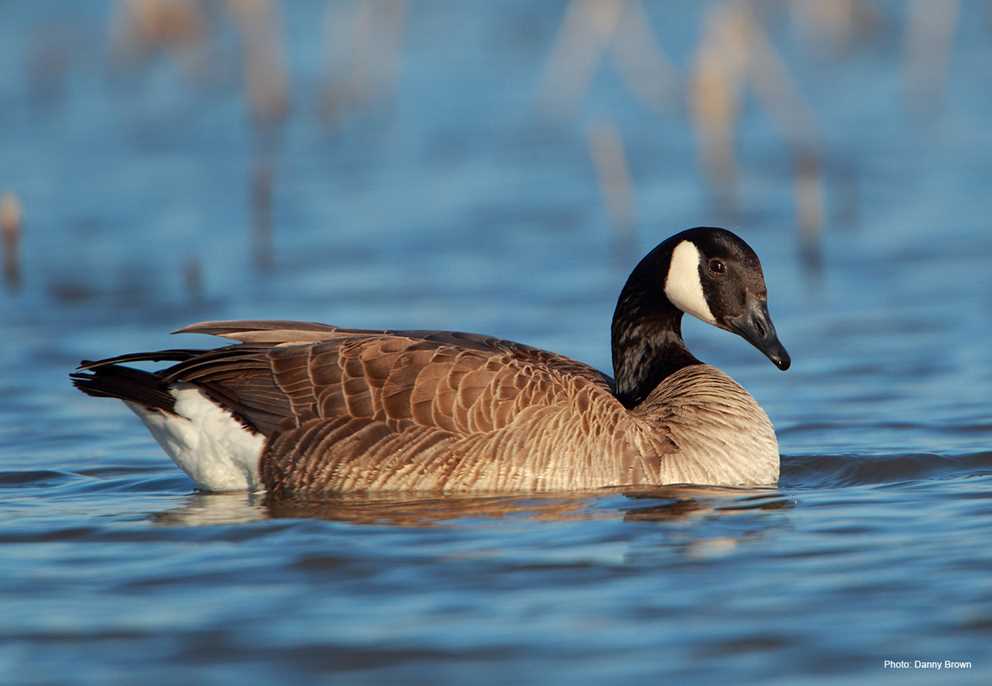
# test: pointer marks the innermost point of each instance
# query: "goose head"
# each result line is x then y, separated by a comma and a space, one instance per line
716, 277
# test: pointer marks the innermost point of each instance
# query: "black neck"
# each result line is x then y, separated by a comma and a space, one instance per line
647, 334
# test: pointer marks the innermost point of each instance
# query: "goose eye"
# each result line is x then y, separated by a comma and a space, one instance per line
717, 266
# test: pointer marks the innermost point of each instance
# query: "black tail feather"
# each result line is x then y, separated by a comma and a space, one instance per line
133, 385
218, 373
175, 355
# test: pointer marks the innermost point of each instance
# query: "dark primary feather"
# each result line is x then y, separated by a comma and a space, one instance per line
174, 355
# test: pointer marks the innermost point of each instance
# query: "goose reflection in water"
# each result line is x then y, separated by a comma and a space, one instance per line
654, 504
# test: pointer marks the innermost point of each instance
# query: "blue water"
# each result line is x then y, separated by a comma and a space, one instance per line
454, 201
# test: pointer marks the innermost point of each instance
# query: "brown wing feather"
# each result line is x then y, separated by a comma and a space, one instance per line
462, 383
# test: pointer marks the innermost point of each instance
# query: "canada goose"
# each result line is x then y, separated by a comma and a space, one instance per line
303, 408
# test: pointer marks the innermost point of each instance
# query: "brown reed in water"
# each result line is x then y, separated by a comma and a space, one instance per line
593, 30
929, 38
260, 198
716, 82
735, 53
808, 187
265, 77
141, 28
641, 60
834, 24
193, 279
267, 92
10, 228
606, 149
373, 36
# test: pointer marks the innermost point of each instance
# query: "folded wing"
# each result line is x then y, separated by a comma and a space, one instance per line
285, 374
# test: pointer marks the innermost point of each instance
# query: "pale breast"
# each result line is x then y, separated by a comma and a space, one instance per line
721, 435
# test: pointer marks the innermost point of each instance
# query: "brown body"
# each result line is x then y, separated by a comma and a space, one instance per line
347, 410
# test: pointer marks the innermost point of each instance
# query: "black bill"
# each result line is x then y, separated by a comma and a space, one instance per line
755, 326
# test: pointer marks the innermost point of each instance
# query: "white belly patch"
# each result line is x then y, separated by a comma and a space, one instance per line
206, 441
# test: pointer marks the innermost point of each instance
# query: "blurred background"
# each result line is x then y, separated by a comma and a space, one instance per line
500, 168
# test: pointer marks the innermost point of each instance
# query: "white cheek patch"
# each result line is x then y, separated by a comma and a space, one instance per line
682, 285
